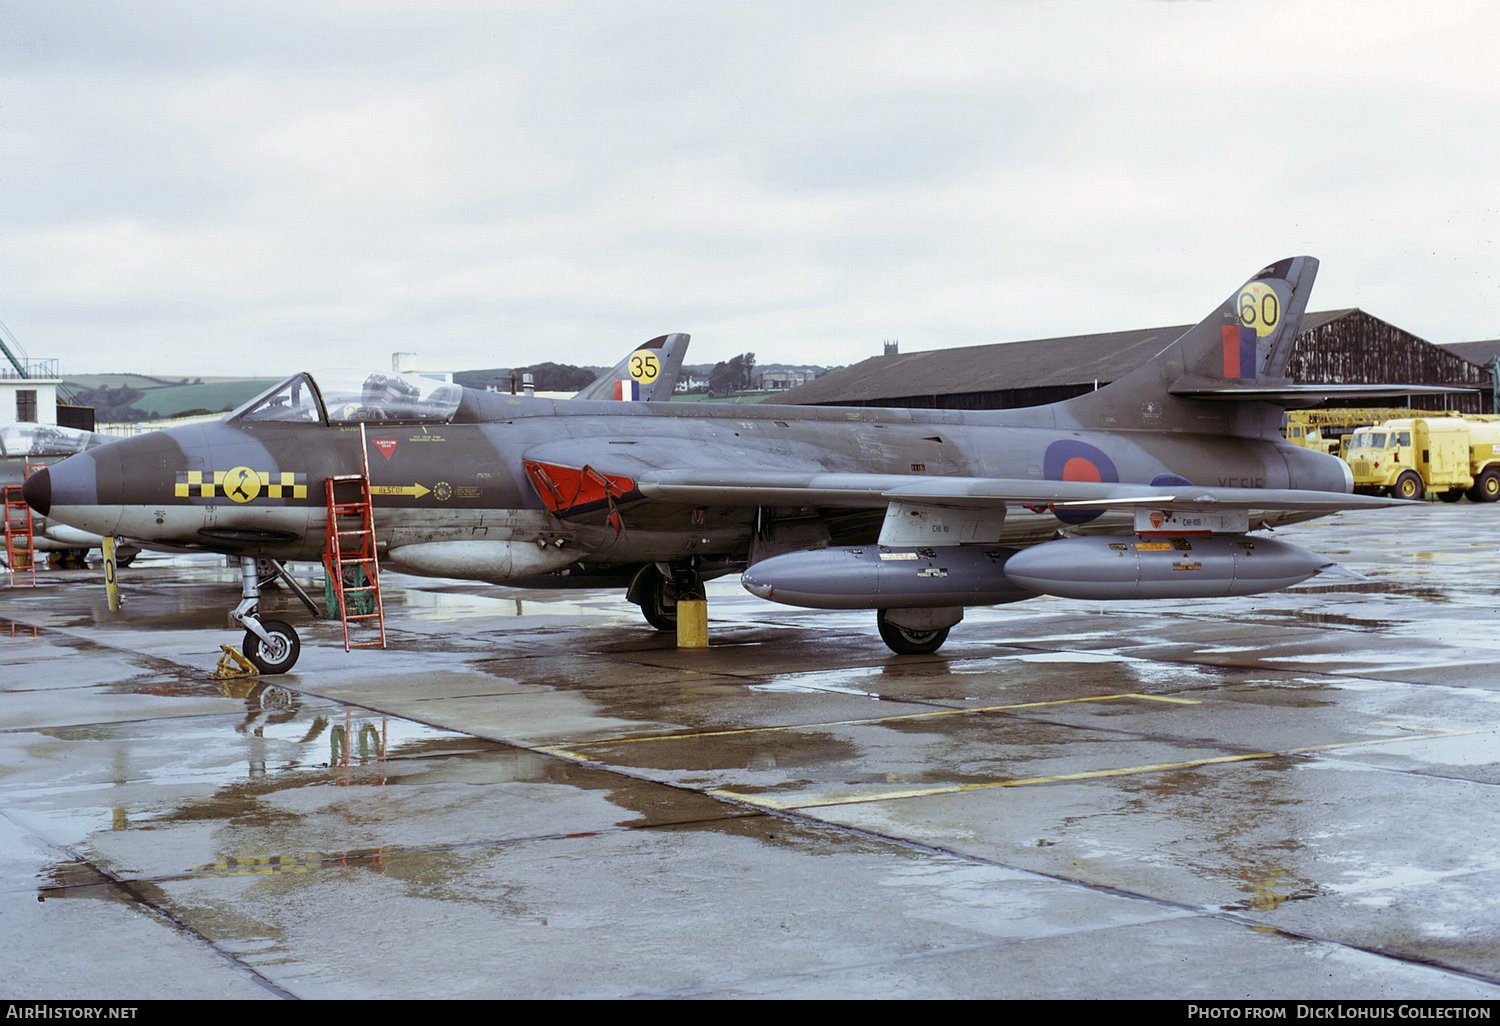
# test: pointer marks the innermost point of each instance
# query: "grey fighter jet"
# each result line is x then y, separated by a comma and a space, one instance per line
1150, 488
26, 448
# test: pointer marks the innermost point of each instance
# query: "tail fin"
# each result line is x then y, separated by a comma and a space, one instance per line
1249, 339
1240, 351
649, 373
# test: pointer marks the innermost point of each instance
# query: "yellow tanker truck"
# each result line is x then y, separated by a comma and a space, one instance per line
1451, 456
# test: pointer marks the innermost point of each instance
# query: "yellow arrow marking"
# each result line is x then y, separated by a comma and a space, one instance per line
416, 491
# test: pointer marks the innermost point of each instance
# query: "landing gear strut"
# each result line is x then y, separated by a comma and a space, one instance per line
272, 645
657, 587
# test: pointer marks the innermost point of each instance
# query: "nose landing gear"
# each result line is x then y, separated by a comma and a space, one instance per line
271, 645
274, 650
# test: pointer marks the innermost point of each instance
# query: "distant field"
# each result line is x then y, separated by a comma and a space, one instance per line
163, 398
221, 395
138, 381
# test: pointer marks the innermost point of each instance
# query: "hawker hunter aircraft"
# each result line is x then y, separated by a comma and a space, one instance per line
648, 373
26, 448
1149, 488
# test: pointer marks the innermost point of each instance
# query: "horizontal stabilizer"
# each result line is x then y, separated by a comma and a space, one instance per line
1307, 395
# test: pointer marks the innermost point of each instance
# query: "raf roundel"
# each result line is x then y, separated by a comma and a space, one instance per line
1071, 460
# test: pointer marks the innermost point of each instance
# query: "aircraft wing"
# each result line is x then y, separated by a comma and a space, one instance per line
781, 488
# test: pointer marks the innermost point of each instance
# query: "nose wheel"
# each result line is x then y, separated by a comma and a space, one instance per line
271, 645
277, 651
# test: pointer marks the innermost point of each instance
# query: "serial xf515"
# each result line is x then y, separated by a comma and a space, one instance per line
1150, 488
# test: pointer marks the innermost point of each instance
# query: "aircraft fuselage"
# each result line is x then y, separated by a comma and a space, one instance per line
258, 488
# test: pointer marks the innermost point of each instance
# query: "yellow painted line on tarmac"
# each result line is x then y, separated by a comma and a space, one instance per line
570, 751
765, 802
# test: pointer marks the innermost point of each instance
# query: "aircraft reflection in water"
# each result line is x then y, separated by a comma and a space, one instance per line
1148, 488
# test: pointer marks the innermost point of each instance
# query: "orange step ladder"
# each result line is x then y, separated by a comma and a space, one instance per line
20, 552
350, 560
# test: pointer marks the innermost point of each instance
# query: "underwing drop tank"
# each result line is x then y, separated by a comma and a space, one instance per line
479, 559
882, 577
1136, 567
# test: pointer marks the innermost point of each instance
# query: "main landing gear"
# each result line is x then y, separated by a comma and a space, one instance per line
916, 631
271, 645
657, 588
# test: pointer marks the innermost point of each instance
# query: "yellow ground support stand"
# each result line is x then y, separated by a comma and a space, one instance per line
692, 623
233, 665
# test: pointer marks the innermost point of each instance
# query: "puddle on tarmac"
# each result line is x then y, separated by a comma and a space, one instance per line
11, 629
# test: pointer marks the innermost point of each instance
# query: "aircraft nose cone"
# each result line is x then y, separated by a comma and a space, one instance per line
37, 491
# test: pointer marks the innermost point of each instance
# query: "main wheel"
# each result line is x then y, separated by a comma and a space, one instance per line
658, 602
1487, 488
905, 641
658, 595
280, 654
1408, 486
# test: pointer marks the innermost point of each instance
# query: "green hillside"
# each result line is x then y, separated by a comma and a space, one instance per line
141, 382
132, 397
175, 400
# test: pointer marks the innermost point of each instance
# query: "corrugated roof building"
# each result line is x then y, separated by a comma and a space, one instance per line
1482, 353
1334, 347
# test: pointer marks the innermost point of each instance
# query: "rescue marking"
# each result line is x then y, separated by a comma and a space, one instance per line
416, 491
240, 484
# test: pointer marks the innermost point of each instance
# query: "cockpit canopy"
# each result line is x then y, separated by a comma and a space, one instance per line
46, 440
353, 397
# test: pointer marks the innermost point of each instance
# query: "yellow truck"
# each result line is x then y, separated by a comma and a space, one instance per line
1310, 436
1328, 430
1452, 456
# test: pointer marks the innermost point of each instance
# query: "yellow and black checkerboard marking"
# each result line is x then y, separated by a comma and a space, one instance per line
240, 484
259, 865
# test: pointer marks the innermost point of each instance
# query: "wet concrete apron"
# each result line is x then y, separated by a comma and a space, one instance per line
535, 795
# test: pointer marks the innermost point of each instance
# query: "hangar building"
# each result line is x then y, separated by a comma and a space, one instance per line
1334, 347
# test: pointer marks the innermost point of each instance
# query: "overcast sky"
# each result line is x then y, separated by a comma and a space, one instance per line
205, 188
